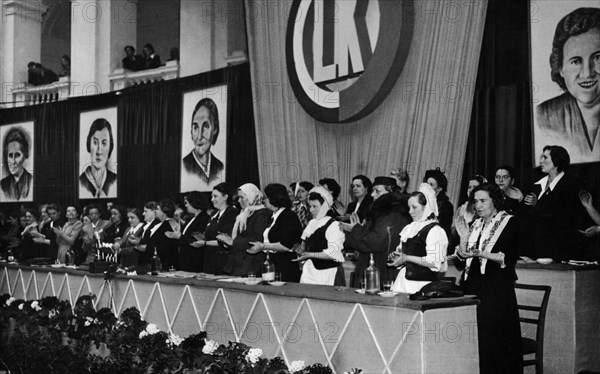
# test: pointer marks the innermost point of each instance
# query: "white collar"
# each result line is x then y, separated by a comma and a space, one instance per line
544, 182
205, 170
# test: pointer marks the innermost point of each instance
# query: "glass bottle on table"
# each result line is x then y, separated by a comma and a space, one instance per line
372, 278
155, 263
268, 270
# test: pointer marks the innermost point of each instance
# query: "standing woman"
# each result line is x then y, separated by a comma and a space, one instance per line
128, 256
166, 247
87, 239
249, 226
191, 254
438, 181
65, 236
301, 206
215, 254
323, 241
511, 195
118, 224
282, 233
332, 186
423, 244
361, 191
490, 248
29, 249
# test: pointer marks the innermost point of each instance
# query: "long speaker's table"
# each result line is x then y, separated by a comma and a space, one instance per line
330, 325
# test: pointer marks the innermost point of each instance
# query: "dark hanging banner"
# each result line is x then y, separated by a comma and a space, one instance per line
147, 139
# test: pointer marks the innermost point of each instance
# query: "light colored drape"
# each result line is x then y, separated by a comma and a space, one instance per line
422, 124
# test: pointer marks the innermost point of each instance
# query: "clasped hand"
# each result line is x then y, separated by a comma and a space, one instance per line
466, 253
225, 239
256, 247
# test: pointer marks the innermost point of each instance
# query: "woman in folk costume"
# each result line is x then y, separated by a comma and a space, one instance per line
423, 243
490, 249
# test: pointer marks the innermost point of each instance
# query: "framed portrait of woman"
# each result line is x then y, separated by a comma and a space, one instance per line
16, 183
565, 74
204, 139
98, 154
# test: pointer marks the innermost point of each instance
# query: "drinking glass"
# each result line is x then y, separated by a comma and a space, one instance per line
277, 277
251, 276
387, 286
363, 284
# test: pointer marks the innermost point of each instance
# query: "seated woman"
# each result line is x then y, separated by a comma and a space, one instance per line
191, 254
215, 255
118, 224
322, 245
65, 236
378, 236
490, 248
423, 243
511, 195
301, 205
337, 208
128, 255
249, 226
438, 181
282, 233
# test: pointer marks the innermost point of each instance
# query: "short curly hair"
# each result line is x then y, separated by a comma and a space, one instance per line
15, 134
575, 23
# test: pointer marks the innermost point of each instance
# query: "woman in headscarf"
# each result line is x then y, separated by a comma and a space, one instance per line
379, 234
249, 226
323, 241
422, 250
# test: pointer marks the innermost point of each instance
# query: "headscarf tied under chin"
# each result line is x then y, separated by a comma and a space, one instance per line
431, 206
327, 203
414, 227
255, 197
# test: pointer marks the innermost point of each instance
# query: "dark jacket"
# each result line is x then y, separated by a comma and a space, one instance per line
363, 209
287, 231
387, 217
216, 257
216, 168
241, 262
191, 258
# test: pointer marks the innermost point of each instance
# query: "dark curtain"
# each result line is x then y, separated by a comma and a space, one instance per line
149, 137
501, 124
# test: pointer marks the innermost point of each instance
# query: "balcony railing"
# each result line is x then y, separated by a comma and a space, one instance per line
27, 94
122, 78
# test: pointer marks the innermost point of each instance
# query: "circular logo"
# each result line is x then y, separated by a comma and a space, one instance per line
344, 56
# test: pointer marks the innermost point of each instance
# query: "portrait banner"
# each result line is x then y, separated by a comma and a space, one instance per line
98, 154
204, 139
17, 162
565, 73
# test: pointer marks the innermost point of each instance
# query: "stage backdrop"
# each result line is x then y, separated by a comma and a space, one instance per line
559, 109
422, 123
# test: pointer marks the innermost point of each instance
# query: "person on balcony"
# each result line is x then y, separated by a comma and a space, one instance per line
65, 66
17, 185
132, 61
151, 60
39, 75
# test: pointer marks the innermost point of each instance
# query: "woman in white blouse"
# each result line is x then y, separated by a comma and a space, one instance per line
323, 241
423, 243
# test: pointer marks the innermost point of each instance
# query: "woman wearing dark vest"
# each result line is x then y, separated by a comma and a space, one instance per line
282, 233
323, 241
423, 243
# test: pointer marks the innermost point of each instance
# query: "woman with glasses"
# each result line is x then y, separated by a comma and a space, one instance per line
511, 195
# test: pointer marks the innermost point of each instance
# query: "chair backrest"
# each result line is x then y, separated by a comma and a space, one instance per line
540, 309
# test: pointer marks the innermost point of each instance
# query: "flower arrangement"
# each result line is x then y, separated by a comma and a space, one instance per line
47, 336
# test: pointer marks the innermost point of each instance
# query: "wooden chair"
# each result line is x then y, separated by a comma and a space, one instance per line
529, 345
